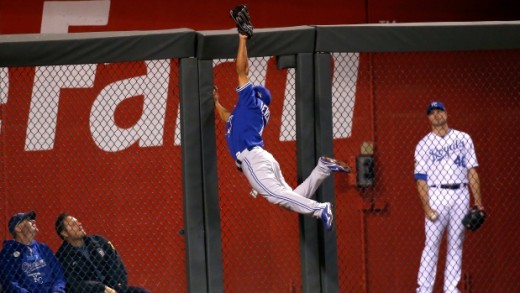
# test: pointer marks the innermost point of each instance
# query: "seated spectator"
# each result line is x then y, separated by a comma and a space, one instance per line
27, 265
91, 263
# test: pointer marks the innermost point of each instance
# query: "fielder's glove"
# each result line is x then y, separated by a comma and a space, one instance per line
474, 218
241, 17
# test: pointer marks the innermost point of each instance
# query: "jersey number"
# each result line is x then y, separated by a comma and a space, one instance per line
460, 161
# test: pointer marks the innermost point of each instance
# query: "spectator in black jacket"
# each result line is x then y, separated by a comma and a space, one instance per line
90, 262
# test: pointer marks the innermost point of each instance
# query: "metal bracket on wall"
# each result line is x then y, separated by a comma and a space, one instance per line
365, 174
374, 206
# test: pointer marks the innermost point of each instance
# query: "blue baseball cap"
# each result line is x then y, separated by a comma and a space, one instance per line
263, 94
18, 218
435, 106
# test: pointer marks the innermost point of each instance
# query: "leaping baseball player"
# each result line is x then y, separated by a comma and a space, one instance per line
445, 163
244, 127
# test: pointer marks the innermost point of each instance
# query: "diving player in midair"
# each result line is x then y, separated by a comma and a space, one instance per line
244, 127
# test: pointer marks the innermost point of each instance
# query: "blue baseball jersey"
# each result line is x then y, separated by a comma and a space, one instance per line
445, 159
247, 121
30, 268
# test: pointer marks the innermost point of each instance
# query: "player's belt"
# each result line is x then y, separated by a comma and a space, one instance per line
239, 162
450, 186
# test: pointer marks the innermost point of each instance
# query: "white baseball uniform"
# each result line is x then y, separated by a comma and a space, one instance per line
443, 162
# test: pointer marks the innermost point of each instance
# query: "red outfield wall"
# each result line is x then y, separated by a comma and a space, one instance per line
209, 15
61, 178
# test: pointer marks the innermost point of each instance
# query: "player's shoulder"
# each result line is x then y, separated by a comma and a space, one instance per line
246, 87
247, 97
245, 92
459, 134
423, 145
427, 138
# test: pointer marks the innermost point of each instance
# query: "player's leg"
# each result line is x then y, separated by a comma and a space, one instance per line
335, 165
309, 186
429, 257
322, 170
430, 254
453, 271
264, 175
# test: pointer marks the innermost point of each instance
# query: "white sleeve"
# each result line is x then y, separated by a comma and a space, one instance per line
471, 156
421, 159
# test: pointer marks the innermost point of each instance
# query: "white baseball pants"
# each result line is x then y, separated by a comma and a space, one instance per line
451, 206
264, 174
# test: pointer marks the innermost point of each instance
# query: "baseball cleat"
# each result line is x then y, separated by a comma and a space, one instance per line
335, 165
327, 217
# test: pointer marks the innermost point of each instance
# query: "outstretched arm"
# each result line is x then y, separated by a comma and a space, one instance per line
242, 64
223, 113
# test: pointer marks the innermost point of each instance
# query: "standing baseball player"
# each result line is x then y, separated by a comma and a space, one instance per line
445, 163
244, 127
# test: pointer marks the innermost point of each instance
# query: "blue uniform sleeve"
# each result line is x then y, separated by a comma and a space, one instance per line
419, 176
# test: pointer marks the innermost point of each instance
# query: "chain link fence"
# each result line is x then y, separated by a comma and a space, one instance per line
102, 141
379, 115
380, 221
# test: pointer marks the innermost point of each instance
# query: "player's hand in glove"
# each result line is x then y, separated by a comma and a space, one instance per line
240, 15
474, 218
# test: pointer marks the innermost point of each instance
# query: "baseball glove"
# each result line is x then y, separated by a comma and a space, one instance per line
474, 218
240, 15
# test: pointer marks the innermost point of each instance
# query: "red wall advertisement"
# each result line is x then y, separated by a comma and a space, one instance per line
115, 163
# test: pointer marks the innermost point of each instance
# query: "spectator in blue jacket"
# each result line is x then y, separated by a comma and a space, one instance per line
26, 265
91, 263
